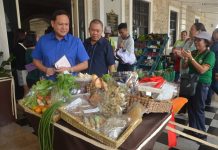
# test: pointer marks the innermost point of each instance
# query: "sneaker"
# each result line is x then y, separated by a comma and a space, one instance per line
201, 136
188, 132
208, 104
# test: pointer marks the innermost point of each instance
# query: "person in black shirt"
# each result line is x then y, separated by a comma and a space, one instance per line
99, 50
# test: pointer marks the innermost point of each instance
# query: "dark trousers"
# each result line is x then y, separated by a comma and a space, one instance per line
124, 67
177, 76
209, 96
196, 106
213, 88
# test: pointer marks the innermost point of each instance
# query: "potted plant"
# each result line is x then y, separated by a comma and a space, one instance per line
4, 71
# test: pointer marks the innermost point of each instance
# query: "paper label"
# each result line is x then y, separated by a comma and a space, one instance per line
74, 103
148, 93
62, 62
91, 110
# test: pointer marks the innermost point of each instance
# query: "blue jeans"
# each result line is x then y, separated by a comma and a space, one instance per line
196, 106
177, 76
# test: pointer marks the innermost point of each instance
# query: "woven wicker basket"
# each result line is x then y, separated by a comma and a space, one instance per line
28, 110
151, 105
55, 118
158, 106
90, 88
97, 135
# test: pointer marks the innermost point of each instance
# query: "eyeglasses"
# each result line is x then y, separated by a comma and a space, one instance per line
197, 39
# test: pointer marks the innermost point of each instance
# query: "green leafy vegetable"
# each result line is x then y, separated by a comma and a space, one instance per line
106, 77
63, 86
43, 87
46, 130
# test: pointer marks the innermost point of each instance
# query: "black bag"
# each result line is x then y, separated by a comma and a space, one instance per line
188, 84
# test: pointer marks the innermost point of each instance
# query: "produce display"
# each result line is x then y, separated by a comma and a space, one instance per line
149, 49
39, 97
64, 87
104, 108
45, 92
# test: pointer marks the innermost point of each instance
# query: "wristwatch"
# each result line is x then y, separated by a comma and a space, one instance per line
71, 70
192, 59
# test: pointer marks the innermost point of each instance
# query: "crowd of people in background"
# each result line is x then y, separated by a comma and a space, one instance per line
193, 53
197, 54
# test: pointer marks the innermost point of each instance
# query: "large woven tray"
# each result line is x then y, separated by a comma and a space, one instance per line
96, 135
55, 118
28, 110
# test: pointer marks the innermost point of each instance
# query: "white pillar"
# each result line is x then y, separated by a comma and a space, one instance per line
130, 13
18, 14
122, 16
75, 17
183, 18
88, 15
150, 30
3, 35
100, 9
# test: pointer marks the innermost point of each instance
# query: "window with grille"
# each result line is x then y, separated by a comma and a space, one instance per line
173, 27
82, 31
140, 17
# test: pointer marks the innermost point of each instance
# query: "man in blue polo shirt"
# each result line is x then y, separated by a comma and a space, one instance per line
53, 46
99, 50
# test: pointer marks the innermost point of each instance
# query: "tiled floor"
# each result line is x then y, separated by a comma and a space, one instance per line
211, 113
15, 137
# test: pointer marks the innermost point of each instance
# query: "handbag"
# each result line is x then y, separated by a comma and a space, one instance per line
188, 84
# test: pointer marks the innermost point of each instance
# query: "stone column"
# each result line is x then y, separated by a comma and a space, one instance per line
98, 9
3, 35
88, 14
183, 18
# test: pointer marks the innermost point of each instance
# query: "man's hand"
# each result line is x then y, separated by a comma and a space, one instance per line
50, 71
63, 69
121, 45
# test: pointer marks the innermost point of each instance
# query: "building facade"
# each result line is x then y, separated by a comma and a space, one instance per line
142, 17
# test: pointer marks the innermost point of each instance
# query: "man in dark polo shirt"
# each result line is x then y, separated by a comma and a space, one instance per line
99, 50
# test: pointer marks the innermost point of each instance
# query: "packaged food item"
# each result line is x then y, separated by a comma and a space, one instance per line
114, 100
80, 106
136, 111
94, 121
84, 77
121, 76
114, 126
95, 98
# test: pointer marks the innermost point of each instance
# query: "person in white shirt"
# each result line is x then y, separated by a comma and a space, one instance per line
126, 49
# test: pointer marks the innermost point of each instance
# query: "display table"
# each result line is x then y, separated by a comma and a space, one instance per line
143, 137
7, 101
